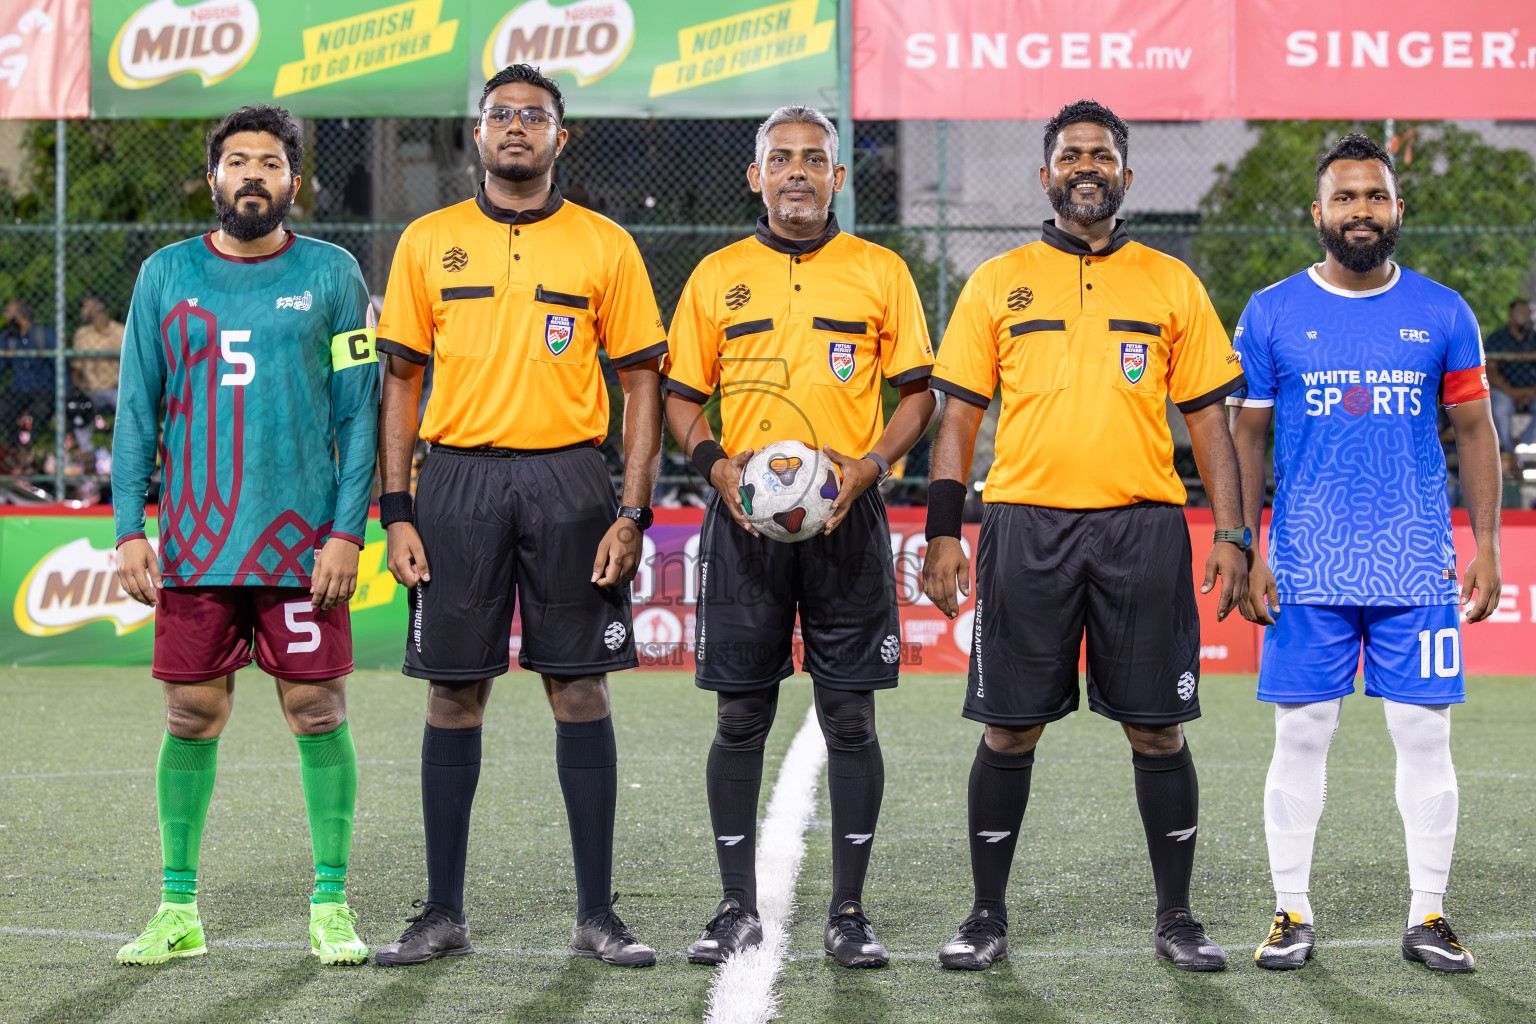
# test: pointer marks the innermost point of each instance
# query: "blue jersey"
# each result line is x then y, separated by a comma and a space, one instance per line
1356, 379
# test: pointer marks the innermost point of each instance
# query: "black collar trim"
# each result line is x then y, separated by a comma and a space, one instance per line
549, 209
1056, 238
795, 247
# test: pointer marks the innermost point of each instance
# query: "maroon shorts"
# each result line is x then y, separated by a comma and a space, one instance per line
206, 632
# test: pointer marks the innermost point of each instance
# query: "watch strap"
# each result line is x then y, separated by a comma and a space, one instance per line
1238, 537
885, 467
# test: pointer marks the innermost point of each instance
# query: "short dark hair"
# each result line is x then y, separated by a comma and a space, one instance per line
1091, 112
24, 309
274, 121
527, 74
1354, 146
1518, 302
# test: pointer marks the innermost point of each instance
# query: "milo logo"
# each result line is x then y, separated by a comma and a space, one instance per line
160, 40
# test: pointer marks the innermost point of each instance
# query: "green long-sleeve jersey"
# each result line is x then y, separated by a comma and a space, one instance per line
261, 373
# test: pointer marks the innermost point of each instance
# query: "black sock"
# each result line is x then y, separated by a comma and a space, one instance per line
1168, 794
855, 785
998, 794
450, 771
587, 761
734, 782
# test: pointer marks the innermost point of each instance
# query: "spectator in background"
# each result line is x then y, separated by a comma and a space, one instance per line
1512, 382
29, 406
97, 375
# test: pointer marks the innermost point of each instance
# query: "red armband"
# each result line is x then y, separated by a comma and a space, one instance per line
1464, 386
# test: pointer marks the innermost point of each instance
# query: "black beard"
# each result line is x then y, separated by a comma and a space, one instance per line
247, 227
531, 167
1359, 257
1085, 213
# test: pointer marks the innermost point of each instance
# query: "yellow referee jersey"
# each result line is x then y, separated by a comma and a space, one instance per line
797, 336
511, 308
1088, 346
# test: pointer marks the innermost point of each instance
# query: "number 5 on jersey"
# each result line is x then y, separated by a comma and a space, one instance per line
245, 360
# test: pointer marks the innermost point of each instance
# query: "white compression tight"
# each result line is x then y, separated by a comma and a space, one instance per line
1427, 798
1296, 788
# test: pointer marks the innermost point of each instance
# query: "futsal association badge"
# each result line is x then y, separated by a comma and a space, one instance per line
558, 330
1133, 360
840, 356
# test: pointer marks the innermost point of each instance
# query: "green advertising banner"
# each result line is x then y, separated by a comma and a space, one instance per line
429, 58
58, 573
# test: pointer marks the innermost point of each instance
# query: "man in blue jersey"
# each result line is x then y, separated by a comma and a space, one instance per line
1352, 357
248, 367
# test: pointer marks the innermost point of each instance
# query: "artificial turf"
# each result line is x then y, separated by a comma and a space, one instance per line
80, 861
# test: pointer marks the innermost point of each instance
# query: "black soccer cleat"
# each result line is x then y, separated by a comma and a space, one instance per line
851, 941
1289, 945
604, 937
731, 930
1434, 945
981, 940
432, 933
1181, 940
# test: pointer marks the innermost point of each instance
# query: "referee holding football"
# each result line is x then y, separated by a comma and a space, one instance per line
797, 325
511, 295
1090, 334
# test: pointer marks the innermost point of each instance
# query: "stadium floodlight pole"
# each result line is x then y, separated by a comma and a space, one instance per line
58, 308
1389, 130
843, 205
940, 321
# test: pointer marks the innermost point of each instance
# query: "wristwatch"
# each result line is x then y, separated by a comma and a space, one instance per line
643, 517
884, 467
1242, 538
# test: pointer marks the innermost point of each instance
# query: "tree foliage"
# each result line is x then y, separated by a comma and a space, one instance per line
1469, 223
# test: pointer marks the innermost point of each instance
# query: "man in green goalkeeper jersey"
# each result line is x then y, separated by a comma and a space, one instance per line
256, 347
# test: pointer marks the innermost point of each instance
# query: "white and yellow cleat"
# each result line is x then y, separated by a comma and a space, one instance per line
174, 931
333, 935
1289, 945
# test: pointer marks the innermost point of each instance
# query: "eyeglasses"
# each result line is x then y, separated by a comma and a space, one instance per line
534, 118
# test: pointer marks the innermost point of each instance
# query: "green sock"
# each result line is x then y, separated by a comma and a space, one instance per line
328, 769
183, 789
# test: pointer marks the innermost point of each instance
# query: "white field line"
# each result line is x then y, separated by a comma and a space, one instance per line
742, 989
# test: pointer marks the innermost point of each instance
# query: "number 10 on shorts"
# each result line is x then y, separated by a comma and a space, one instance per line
1443, 648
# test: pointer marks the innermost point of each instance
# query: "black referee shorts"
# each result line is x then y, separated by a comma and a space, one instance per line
843, 585
1043, 575
499, 527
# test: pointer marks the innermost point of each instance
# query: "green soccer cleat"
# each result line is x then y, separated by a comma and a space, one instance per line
332, 936
174, 931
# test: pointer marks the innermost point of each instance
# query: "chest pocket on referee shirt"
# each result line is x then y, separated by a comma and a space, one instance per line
465, 322
563, 327
1136, 355
1036, 359
845, 347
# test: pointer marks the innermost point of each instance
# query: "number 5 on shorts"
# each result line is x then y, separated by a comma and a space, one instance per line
1446, 656
291, 612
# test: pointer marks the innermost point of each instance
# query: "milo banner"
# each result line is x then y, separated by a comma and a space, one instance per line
429, 58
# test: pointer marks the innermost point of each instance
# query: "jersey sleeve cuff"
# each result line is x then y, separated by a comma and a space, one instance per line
354, 538
908, 376
975, 398
1242, 401
656, 351
132, 536
1212, 396
405, 352
1467, 385
683, 389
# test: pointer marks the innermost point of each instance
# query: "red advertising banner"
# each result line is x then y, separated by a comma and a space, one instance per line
1409, 59
45, 58
1193, 59
1004, 59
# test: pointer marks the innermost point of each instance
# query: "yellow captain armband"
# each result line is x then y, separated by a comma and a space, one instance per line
353, 348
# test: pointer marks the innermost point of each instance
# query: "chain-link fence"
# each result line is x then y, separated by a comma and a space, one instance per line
1231, 198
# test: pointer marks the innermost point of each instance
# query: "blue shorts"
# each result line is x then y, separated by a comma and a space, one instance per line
1412, 654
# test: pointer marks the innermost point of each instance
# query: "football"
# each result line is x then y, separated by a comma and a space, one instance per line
787, 489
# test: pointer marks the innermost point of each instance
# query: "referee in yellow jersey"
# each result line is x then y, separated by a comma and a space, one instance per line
1089, 334
797, 326
511, 295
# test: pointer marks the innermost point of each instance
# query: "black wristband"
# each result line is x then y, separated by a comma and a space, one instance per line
396, 507
946, 505
705, 455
